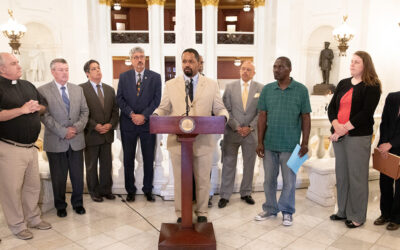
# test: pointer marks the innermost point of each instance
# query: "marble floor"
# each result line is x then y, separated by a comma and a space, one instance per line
115, 225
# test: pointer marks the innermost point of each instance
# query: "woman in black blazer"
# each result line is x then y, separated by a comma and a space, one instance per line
351, 113
389, 141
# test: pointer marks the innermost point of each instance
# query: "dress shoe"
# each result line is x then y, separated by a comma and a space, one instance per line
222, 202
24, 235
96, 198
350, 224
61, 213
335, 217
80, 210
381, 221
201, 219
179, 220
210, 201
150, 197
43, 225
248, 199
392, 226
109, 196
130, 197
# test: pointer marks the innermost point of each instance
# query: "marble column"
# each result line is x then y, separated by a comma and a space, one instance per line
210, 27
156, 39
156, 35
185, 29
99, 27
260, 38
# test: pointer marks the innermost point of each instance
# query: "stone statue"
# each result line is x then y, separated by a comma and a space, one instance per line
325, 62
35, 72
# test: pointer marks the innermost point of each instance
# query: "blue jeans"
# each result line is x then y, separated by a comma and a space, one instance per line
272, 161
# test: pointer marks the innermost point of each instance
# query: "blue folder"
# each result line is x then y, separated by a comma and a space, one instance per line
295, 161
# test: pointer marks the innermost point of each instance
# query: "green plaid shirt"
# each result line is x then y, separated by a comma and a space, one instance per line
284, 109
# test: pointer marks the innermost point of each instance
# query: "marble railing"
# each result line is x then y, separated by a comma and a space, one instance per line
319, 145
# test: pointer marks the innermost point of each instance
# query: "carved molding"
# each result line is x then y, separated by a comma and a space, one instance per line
236, 38
259, 3
125, 37
209, 2
153, 2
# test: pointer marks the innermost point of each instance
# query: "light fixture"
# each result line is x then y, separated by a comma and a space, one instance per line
117, 6
343, 34
246, 7
237, 62
231, 18
128, 62
13, 31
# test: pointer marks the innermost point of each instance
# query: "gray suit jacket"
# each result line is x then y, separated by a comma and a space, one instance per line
56, 119
232, 99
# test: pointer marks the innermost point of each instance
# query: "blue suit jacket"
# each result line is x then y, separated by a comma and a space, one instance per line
147, 101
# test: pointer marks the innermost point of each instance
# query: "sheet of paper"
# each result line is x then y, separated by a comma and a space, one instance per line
295, 161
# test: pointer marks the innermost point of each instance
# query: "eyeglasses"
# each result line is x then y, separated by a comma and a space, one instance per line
138, 57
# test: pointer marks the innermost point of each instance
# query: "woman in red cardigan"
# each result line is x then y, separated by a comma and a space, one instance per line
351, 113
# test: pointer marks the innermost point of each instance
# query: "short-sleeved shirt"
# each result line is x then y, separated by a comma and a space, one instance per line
284, 109
24, 128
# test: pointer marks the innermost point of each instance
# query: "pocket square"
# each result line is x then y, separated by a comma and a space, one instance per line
257, 95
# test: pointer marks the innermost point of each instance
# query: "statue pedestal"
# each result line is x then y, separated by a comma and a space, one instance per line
323, 89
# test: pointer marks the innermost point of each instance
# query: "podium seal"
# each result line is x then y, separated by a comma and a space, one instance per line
187, 124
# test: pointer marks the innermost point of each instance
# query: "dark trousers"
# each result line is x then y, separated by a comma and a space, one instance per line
99, 183
390, 198
60, 164
147, 142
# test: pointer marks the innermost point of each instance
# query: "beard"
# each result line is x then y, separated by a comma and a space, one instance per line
188, 72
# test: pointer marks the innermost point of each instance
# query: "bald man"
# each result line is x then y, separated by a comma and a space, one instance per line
240, 99
20, 108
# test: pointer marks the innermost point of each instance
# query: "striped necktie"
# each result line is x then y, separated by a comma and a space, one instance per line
138, 83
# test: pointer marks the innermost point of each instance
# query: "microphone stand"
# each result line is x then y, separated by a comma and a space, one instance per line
187, 97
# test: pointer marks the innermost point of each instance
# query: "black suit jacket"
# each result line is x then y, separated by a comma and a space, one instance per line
98, 115
390, 125
363, 104
145, 103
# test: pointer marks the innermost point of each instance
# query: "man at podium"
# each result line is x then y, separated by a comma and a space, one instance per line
203, 99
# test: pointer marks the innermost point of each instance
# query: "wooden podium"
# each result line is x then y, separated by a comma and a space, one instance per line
187, 235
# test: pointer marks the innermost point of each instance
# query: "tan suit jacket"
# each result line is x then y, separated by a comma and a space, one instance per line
207, 100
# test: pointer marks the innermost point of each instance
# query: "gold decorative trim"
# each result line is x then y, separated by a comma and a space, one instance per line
231, 58
259, 3
106, 2
153, 2
209, 2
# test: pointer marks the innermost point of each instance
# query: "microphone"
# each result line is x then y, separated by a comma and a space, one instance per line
187, 87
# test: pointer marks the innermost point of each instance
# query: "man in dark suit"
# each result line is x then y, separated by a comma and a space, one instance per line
389, 142
138, 95
64, 122
99, 132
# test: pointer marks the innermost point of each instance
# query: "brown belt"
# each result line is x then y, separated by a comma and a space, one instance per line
19, 144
